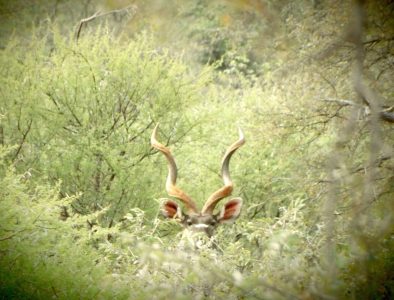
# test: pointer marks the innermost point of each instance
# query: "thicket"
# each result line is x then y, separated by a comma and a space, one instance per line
80, 186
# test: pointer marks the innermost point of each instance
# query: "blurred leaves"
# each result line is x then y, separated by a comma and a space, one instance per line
80, 184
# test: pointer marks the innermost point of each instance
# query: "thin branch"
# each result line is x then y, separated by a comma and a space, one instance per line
341, 102
385, 114
1, 135
115, 211
377, 163
97, 15
11, 235
141, 132
379, 39
83, 21
24, 135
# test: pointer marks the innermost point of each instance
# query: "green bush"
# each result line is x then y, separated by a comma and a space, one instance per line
83, 114
80, 186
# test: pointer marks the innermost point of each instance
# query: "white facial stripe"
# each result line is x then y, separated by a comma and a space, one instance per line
200, 226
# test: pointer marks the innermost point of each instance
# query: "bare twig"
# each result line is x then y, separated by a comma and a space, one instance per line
99, 14
83, 21
384, 113
340, 102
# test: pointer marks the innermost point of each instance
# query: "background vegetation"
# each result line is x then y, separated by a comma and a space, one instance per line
84, 82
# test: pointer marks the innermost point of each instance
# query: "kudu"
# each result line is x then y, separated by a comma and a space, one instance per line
205, 220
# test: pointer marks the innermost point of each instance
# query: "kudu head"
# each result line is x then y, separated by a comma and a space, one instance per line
204, 220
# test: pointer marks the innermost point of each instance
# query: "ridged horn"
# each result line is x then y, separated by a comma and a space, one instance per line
171, 187
228, 184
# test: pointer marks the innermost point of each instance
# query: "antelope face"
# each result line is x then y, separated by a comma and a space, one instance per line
204, 220
198, 222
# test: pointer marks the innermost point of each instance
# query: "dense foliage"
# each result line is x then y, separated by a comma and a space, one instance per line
309, 83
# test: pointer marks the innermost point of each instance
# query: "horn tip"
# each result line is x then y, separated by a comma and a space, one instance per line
241, 134
153, 139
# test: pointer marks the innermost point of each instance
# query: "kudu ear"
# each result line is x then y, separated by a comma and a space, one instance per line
230, 211
171, 210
